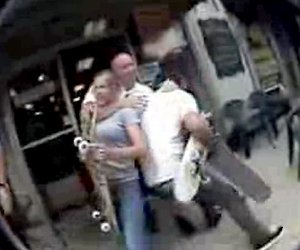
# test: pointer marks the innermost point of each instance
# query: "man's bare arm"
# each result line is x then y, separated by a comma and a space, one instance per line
198, 126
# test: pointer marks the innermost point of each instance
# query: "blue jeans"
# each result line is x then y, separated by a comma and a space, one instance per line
129, 206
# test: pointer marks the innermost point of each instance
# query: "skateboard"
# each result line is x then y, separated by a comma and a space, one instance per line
222, 159
104, 212
189, 176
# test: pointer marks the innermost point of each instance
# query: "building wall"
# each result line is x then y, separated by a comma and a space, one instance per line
239, 85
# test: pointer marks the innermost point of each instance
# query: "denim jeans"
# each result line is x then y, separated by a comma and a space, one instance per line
151, 222
129, 204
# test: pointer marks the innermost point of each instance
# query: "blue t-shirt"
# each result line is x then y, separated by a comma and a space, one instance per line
113, 133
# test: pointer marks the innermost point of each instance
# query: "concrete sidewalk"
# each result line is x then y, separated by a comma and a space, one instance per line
283, 208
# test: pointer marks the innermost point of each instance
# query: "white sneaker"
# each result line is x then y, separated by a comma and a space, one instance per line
271, 240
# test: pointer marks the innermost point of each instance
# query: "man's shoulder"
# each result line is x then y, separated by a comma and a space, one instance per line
143, 88
180, 93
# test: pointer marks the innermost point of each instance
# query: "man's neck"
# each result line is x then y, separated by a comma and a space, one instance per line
129, 86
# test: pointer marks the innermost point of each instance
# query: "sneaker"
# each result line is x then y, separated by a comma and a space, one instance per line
213, 214
185, 226
214, 217
271, 240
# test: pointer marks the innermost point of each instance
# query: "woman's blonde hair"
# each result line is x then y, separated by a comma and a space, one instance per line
104, 76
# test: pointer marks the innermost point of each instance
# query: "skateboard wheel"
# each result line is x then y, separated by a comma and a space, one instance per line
105, 227
96, 215
83, 147
77, 141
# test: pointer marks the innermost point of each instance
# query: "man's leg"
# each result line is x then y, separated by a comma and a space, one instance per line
151, 222
221, 193
212, 214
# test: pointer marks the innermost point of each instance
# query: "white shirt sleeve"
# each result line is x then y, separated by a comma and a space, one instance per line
143, 88
187, 104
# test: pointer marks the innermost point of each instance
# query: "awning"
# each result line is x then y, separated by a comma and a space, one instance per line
29, 27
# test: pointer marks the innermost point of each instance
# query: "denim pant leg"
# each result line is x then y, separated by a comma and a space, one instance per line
223, 194
132, 216
149, 212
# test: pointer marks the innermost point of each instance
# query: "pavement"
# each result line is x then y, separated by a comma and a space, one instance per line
283, 208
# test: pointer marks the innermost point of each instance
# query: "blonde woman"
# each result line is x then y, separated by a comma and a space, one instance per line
122, 139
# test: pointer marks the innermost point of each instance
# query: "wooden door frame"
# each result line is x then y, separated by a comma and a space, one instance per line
39, 231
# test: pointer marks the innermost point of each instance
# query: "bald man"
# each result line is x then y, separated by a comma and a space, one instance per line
124, 67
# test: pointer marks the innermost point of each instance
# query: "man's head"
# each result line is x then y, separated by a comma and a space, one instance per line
124, 67
170, 65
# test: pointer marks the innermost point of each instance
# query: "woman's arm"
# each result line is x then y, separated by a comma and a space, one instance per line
137, 149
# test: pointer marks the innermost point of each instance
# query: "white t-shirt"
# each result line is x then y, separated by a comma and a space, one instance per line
162, 124
141, 91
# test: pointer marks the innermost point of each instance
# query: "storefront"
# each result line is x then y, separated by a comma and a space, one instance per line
266, 64
43, 93
41, 100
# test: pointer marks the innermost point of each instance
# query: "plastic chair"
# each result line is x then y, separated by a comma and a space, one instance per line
237, 131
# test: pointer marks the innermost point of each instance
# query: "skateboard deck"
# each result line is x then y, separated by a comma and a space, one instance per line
103, 200
221, 159
188, 177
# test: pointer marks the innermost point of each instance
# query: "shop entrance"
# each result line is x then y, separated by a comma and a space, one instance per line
46, 102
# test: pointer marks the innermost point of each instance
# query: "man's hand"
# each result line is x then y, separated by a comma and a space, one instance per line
134, 101
100, 153
198, 125
129, 102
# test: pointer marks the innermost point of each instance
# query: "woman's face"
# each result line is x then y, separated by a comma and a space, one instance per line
105, 89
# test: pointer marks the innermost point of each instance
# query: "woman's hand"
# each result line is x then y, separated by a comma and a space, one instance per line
103, 153
89, 107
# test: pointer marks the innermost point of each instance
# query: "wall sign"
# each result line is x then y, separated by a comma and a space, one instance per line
151, 19
222, 47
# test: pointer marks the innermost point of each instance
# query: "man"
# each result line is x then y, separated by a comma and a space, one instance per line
171, 115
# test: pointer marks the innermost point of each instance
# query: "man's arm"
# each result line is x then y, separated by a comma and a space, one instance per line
193, 121
198, 126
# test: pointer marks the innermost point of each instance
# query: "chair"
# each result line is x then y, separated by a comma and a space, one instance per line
271, 107
258, 100
237, 130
